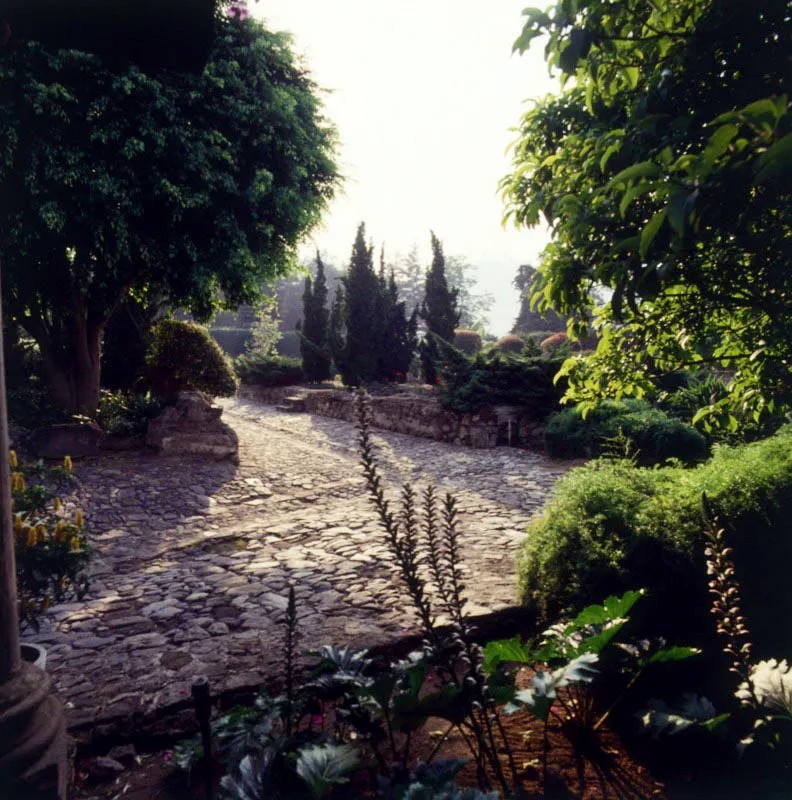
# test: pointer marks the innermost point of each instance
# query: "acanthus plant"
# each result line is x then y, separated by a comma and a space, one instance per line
764, 689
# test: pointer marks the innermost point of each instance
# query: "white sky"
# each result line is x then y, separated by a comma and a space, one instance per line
423, 93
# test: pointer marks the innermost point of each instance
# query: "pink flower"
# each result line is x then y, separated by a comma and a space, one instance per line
167, 755
238, 10
317, 719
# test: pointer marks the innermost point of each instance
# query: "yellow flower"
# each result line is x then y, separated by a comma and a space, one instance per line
57, 505
32, 537
12, 459
58, 530
41, 530
78, 518
67, 463
17, 522
17, 482
75, 543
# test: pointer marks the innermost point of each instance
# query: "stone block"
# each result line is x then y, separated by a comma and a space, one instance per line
71, 439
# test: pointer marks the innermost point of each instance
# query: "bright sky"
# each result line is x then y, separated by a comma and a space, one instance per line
423, 93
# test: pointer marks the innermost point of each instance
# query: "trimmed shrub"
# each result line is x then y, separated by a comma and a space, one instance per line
272, 371
183, 356
612, 525
510, 344
647, 433
232, 340
469, 342
554, 341
497, 378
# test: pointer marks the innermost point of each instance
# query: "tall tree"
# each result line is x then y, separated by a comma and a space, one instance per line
335, 332
439, 311
529, 319
114, 180
410, 277
399, 330
362, 317
314, 330
664, 173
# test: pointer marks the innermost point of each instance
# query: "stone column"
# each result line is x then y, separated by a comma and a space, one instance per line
33, 759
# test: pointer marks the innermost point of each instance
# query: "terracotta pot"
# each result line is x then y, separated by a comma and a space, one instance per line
34, 654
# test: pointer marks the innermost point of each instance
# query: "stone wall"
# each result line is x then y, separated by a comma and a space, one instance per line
415, 416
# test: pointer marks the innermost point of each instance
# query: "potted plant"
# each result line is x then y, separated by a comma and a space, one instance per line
51, 546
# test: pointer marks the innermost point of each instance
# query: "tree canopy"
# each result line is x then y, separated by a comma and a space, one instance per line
663, 170
117, 181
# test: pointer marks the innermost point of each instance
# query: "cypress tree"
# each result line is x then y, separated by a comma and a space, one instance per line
439, 311
335, 333
360, 356
314, 330
399, 335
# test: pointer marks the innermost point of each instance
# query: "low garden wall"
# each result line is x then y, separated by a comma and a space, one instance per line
415, 416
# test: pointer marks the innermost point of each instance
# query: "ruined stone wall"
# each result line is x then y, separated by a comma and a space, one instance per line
413, 415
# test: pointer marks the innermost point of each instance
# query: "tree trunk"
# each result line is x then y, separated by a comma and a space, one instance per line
72, 369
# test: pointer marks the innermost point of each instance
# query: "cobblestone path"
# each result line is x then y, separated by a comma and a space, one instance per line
194, 558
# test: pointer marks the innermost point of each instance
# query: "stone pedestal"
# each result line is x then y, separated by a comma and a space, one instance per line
192, 426
33, 753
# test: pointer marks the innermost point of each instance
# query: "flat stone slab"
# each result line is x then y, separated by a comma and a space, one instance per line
193, 578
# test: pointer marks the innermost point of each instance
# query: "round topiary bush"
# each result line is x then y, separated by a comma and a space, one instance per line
553, 342
467, 341
510, 344
183, 356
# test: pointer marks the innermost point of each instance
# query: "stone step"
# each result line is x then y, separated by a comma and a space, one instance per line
295, 403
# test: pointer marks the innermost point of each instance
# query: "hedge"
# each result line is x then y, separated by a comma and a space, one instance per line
647, 433
613, 526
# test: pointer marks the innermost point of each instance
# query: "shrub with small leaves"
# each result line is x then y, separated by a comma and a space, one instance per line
182, 357
270, 371
510, 344
467, 341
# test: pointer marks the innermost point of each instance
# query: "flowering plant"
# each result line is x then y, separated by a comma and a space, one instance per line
51, 547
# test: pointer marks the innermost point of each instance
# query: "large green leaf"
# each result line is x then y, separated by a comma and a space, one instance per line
672, 654
325, 766
650, 231
645, 169
775, 164
506, 650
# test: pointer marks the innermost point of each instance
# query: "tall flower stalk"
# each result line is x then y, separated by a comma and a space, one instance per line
429, 546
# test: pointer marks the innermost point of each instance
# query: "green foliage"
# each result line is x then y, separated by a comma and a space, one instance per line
126, 413
182, 357
693, 393
469, 342
496, 378
647, 433
265, 331
29, 403
663, 169
358, 359
530, 320
439, 310
314, 330
612, 525
233, 341
126, 339
371, 337
51, 548
193, 187
273, 371
510, 344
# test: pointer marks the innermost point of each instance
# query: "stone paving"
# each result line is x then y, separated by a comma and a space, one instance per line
194, 558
